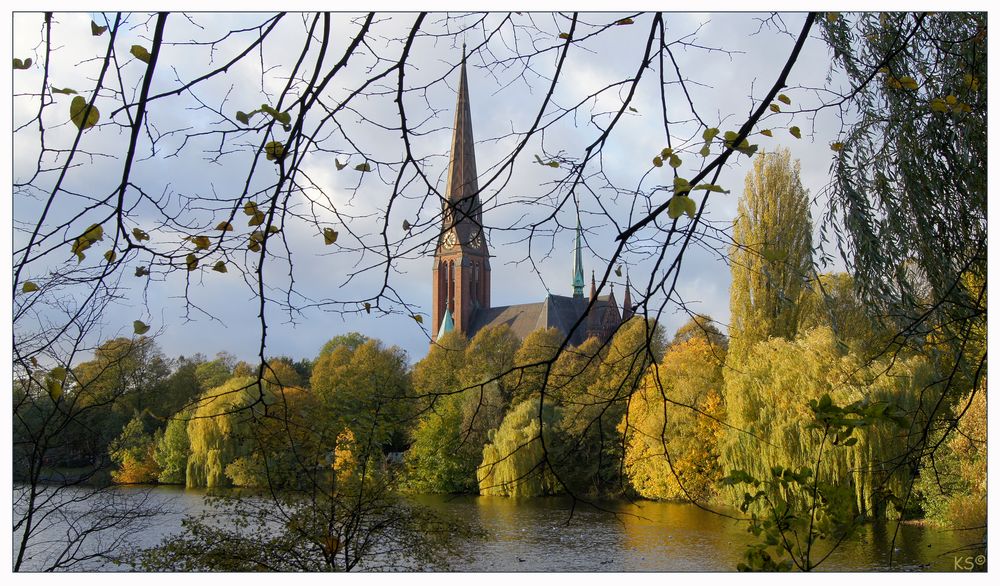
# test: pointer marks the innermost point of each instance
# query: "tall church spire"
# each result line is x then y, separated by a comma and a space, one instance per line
462, 207
462, 258
578, 281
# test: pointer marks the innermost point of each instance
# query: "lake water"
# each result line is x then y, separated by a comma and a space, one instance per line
546, 535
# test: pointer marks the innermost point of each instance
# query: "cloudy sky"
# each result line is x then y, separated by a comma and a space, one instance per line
728, 61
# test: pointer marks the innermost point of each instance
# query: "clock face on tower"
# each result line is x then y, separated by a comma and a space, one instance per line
449, 240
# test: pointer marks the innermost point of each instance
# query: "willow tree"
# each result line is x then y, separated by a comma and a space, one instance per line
767, 403
514, 462
771, 255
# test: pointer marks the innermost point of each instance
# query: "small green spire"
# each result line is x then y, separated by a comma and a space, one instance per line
578, 281
447, 324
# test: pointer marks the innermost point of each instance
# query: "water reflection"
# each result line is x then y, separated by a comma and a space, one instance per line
549, 534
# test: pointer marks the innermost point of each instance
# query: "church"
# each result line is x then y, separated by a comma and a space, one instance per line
462, 262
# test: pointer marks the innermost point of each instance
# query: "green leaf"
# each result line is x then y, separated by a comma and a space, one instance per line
139, 328
274, 150
220, 267
795, 132
139, 234
110, 255
257, 219
675, 161
93, 234
709, 134
710, 187
76, 110
775, 108
282, 117
339, 164
666, 152
784, 99
681, 186
329, 236
250, 208
29, 287
363, 167
564, 36
418, 318
18, 64
850, 442
625, 21
191, 261
681, 204
705, 151
97, 30
553, 164
657, 162
67, 91
243, 118
767, 132
140, 53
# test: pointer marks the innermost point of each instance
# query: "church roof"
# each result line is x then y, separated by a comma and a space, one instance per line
556, 311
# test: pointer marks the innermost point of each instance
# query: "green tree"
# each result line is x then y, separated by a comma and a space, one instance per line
539, 349
366, 389
700, 326
214, 373
172, 450
490, 358
444, 452
771, 256
438, 372
591, 442
831, 301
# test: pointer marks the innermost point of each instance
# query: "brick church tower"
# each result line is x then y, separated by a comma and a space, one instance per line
461, 259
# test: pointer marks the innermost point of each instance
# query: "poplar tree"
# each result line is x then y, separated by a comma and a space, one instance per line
770, 256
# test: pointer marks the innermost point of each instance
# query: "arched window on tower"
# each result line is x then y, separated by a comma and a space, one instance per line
451, 285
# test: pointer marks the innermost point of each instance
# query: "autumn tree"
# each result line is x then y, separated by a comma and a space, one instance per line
674, 424
771, 255
133, 454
